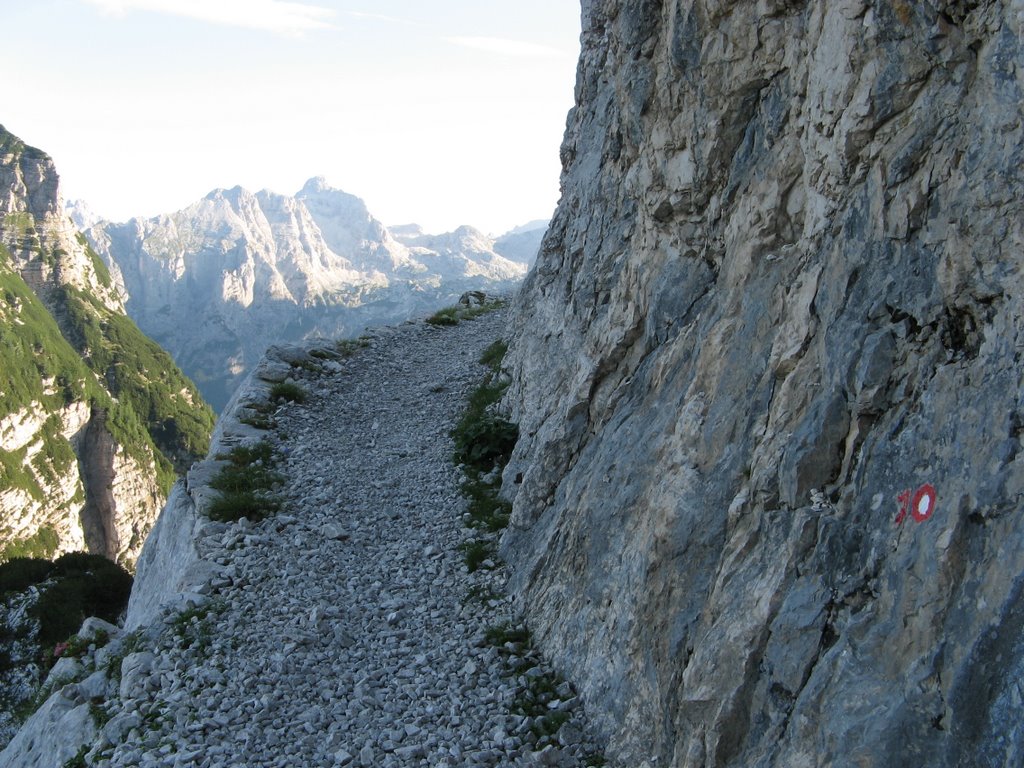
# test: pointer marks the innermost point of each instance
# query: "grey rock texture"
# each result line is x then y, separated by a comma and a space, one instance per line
767, 372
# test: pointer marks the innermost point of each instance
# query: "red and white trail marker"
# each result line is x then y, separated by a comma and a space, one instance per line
920, 505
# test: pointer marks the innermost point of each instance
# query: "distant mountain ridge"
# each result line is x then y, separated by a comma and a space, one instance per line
218, 281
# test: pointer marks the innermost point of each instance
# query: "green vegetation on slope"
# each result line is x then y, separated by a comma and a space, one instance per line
157, 409
141, 375
74, 586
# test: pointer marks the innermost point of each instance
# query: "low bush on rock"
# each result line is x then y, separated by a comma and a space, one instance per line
84, 585
20, 573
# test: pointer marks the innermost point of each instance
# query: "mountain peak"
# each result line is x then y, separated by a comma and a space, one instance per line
316, 185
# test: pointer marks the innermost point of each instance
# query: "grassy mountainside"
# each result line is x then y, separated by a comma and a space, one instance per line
95, 418
140, 375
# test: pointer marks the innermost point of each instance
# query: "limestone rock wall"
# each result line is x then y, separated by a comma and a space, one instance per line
101, 501
767, 372
57, 507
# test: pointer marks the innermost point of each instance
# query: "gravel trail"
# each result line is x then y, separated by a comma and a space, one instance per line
344, 630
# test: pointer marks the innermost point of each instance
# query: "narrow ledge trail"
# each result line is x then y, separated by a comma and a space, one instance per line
344, 630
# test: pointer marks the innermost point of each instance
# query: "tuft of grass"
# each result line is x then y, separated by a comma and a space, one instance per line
487, 511
493, 356
348, 347
246, 484
193, 627
454, 314
285, 390
477, 552
446, 316
78, 761
257, 420
507, 632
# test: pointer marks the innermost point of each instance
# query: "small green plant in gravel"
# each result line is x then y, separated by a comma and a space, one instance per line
500, 634
130, 643
75, 647
477, 553
538, 687
487, 511
192, 627
483, 445
258, 415
482, 594
286, 390
99, 713
483, 439
246, 484
348, 347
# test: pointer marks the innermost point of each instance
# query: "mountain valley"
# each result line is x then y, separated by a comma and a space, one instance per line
219, 281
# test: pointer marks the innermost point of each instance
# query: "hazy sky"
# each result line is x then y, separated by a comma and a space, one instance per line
441, 112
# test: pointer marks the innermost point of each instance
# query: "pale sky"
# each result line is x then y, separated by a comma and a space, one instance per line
439, 112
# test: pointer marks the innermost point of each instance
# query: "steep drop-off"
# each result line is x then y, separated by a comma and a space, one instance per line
768, 377
94, 417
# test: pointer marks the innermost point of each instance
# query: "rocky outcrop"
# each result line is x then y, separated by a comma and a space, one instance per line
219, 281
767, 372
92, 414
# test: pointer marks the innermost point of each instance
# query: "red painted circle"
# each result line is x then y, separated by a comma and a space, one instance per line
923, 504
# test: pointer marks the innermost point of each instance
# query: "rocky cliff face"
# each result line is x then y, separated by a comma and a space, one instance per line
768, 377
218, 281
92, 414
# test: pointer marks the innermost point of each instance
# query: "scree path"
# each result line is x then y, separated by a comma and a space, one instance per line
348, 630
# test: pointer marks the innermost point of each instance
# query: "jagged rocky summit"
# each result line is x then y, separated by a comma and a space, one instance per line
219, 281
768, 376
94, 417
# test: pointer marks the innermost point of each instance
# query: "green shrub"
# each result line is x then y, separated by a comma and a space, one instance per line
229, 508
20, 573
85, 585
